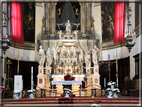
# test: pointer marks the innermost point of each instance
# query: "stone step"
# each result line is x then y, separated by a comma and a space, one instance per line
75, 102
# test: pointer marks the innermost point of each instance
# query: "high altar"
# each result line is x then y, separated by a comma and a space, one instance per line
68, 58
68, 46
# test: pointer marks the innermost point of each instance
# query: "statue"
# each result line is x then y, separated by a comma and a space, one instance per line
62, 53
68, 50
86, 50
87, 61
94, 53
68, 27
49, 57
56, 52
75, 32
81, 55
60, 34
42, 56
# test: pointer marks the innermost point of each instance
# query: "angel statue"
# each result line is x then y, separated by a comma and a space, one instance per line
60, 34
94, 53
42, 56
75, 32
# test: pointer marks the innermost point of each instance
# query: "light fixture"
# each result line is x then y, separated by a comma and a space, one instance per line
129, 38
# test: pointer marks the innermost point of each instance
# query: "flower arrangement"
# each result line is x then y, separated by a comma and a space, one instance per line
111, 90
16, 94
67, 92
66, 89
31, 93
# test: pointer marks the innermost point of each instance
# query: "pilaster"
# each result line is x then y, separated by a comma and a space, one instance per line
82, 18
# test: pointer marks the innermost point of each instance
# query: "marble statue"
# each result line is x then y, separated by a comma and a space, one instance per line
42, 56
56, 51
86, 50
68, 50
68, 27
87, 61
60, 34
49, 57
62, 53
94, 53
74, 52
75, 32
81, 55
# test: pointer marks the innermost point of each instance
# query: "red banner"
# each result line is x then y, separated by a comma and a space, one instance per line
17, 23
119, 22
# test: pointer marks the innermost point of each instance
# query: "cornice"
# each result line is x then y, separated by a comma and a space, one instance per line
26, 45
137, 30
111, 45
38, 4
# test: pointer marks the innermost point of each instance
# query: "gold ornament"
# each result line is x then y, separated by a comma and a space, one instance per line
43, 21
76, 10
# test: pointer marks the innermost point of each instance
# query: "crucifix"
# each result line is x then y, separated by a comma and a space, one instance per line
8, 63
109, 64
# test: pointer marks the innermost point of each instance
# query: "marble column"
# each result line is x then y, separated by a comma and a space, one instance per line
53, 16
49, 17
89, 16
83, 18
46, 18
43, 9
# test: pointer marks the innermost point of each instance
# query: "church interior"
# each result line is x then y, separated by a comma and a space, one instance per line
74, 45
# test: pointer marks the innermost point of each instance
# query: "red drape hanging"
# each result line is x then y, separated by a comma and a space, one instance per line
17, 23
119, 22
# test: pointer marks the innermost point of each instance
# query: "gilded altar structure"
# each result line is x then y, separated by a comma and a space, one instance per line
68, 47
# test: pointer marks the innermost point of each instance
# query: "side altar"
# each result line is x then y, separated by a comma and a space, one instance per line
68, 57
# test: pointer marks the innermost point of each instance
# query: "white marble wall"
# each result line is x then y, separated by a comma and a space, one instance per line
38, 26
96, 14
24, 55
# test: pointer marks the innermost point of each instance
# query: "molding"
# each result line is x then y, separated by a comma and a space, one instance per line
110, 45
137, 31
25, 46
38, 4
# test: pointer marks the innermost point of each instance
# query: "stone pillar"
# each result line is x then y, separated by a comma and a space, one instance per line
43, 20
49, 17
53, 16
89, 17
46, 17
40, 78
83, 18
